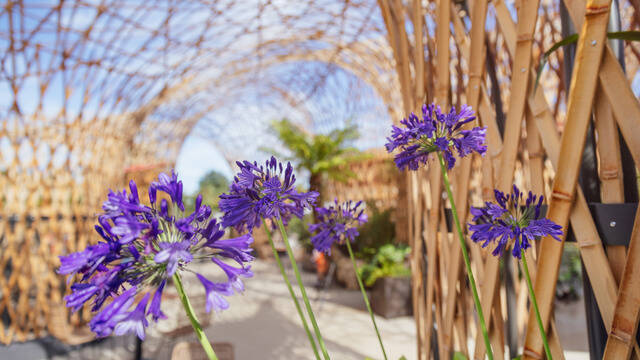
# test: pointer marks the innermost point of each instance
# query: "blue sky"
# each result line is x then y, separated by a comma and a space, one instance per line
197, 157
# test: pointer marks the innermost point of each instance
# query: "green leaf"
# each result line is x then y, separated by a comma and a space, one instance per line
459, 356
571, 39
402, 357
319, 154
624, 35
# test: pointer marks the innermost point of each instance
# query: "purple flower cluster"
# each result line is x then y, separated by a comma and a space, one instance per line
436, 131
263, 192
510, 218
142, 247
336, 223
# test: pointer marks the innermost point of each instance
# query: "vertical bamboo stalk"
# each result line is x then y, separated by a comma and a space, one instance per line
610, 171
589, 242
443, 12
591, 250
416, 264
476, 51
396, 41
527, 17
435, 182
583, 85
418, 26
423, 327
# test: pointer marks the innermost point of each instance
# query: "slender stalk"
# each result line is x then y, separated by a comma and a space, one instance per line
293, 295
465, 255
366, 299
305, 298
545, 342
202, 337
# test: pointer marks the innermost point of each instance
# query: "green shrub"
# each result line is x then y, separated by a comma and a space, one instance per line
377, 232
390, 261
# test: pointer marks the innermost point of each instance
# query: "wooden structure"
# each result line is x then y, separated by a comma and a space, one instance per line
376, 181
89, 89
494, 72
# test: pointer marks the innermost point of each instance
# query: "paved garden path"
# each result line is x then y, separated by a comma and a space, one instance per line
263, 323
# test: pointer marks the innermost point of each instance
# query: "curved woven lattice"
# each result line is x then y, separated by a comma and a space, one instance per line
91, 88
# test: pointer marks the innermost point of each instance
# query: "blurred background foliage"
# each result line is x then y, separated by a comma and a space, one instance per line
211, 185
320, 155
389, 261
375, 233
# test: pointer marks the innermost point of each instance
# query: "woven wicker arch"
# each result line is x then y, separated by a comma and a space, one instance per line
90, 89
94, 87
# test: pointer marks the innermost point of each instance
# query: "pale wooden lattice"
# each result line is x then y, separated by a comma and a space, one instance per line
91, 88
476, 53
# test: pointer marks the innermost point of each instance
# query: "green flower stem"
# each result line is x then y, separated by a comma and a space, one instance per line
202, 337
305, 298
535, 307
465, 255
364, 296
293, 295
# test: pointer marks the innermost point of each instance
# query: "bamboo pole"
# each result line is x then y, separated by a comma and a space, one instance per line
464, 168
583, 86
622, 337
443, 16
435, 183
395, 40
527, 16
591, 250
442, 53
610, 171
475, 55
418, 54
594, 257
423, 327
624, 103
398, 21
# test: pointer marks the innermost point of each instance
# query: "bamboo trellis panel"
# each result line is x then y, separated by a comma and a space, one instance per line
475, 53
374, 181
129, 80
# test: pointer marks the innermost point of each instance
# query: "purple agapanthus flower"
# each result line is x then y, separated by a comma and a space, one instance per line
142, 247
336, 223
436, 131
263, 192
511, 218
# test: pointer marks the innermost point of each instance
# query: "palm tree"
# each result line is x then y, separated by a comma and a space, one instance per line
321, 155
